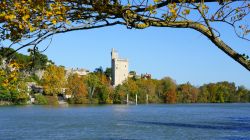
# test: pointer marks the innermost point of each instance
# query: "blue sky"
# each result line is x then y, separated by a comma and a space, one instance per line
182, 54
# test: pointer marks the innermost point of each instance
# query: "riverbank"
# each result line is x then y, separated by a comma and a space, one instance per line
4, 103
63, 103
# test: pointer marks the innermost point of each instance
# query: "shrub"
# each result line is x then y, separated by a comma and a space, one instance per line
52, 100
40, 99
78, 100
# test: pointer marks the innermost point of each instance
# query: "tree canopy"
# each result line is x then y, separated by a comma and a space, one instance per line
28, 23
53, 80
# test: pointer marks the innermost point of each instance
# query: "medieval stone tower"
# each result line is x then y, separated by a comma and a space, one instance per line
119, 68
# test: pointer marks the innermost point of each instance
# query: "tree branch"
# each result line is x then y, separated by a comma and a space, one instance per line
164, 3
205, 31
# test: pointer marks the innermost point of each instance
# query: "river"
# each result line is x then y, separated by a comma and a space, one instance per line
126, 122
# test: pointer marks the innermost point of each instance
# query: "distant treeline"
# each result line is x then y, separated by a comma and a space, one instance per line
96, 88
167, 91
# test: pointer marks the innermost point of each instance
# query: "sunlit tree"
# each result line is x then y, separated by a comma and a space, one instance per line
147, 88
13, 87
187, 93
131, 89
77, 88
168, 86
93, 83
243, 94
53, 80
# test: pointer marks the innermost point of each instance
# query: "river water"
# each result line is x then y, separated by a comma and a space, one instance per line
126, 122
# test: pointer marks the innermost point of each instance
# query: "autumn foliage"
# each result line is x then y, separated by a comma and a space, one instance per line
95, 87
53, 80
77, 88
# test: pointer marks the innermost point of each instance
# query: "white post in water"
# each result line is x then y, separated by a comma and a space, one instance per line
136, 99
147, 98
127, 98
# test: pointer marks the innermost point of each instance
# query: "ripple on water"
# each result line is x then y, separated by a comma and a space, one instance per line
193, 121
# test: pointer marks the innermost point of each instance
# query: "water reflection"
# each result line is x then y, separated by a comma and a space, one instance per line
121, 108
235, 126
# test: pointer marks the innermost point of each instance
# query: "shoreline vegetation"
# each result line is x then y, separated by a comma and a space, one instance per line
34, 79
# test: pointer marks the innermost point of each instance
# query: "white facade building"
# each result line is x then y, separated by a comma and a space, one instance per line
80, 72
119, 68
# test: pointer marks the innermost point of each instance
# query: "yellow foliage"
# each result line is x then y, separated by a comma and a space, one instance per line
53, 79
151, 9
10, 75
48, 14
173, 9
186, 12
58, 12
204, 8
16, 4
14, 65
32, 29
2, 72
10, 17
68, 22
20, 26
54, 21
76, 86
157, 1
25, 17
